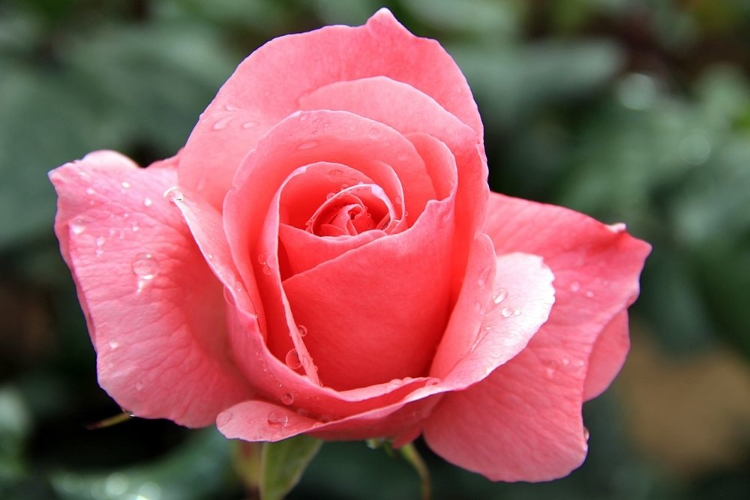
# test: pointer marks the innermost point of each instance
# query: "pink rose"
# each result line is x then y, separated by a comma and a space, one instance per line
324, 257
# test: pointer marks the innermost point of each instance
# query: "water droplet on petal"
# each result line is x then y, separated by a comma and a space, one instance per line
262, 259
277, 419
266, 270
506, 312
113, 344
302, 330
292, 359
302, 412
147, 202
586, 434
90, 191
589, 294
125, 184
222, 123
575, 287
287, 398
78, 226
248, 125
145, 266
398, 200
139, 386
334, 174
618, 227
224, 418
307, 145
500, 296
374, 133
516, 312
173, 195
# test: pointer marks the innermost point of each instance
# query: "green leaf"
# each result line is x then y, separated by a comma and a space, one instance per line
283, 464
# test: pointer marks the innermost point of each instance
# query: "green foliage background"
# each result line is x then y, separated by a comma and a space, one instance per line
628, 110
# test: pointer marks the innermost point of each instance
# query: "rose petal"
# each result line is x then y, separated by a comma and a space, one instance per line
358, 338
533, 402
522, 299
267, 86
608, 356
152, 305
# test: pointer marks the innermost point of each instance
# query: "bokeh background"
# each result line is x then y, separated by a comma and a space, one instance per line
632, 111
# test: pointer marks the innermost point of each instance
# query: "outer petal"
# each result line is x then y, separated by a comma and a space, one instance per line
608, 356
267, 86
153, 307
533, 402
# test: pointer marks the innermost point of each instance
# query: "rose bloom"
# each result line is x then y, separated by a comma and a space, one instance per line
324, 257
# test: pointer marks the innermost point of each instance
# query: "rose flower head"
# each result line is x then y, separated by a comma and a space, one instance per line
324, 257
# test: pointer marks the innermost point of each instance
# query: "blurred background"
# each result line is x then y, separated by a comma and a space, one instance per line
632, 111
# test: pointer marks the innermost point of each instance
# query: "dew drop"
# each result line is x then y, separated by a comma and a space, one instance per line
506, 312
374, 133
224, 418
302, 330
90, 191
398, 200
303, 117
139, 386
500, 296
113, 344
334, 174
307, 145
100, 241
575, 287
292, 359
262, 259
277, 419
516, 312
147, 202
248, 125
586, 434
78, 226
484, 276
173, 195
618, 227
145, 266
330, 195
222, 123
125, 184
266, 270
302, 412
287, 398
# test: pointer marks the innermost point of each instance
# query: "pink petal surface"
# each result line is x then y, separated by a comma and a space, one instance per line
608, 356
418, 113
533, 402
365, 329
521, 300
267, 86
334, 137
153, 306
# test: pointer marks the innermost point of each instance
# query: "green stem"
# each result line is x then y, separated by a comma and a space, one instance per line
412, 456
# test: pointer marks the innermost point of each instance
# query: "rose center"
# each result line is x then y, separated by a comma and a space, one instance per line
351, 211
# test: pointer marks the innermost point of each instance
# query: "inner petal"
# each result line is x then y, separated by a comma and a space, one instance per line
352, 211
